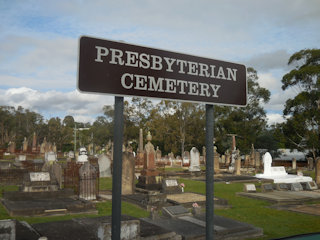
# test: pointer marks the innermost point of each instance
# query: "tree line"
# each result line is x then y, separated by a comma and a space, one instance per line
178, 126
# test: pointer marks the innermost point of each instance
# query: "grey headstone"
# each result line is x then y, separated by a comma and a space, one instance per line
130, 230
282, 187
311, 185
296, 187
170, 186
104, 165
267, 187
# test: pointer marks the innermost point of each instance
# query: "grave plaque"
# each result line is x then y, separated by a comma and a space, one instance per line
175, 211
267, 187
296, 187
39, 176
249, 188
311, 186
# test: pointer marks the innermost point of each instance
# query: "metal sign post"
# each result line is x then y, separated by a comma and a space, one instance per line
117, 168
209, 171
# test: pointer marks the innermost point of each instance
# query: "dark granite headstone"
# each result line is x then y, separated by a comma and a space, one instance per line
170, 186
282, 187
267, 187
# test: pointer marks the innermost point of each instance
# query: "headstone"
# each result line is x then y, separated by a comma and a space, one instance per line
12, 147
216, 157
128, 177
267, 187
39, 182
50, 156
267, 161
54, 148
83, 157
88, 176
34, 142
57, 173
296, 187
294, 163
250, 187
71, 154
25, 145
158, 154
104, 162
247, 160
310, 163
149, 178
186, 159
228, 158
43, 146
130, 230
170, 186
318, 171
22, 157
8, 229
194, 160
238, 164
204, 154
311, 186
282, 187
257, 159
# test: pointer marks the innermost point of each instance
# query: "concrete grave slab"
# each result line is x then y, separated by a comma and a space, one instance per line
282, 186
175, 211
194, 227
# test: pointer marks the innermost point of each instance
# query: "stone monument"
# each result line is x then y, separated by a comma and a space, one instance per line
318, 171
279, 174
216, 157
83, 157
34, 142
149, 178
194, 160
25, 145
104, 162
128, 175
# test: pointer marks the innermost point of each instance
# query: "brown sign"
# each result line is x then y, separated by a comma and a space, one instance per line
123, 69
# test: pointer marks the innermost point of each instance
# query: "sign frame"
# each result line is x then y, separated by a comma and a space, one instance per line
231, 91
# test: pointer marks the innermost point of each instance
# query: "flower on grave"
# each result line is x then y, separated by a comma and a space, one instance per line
195, 205
182, 185
153, 209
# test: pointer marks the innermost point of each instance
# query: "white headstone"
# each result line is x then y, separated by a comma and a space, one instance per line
50, 156
104, 165
194, 160
83, 157
39, 176
267, 161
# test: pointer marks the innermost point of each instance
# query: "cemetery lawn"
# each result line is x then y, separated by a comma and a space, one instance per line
275, 223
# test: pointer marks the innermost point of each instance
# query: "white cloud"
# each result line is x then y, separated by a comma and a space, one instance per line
53, 103
274, 118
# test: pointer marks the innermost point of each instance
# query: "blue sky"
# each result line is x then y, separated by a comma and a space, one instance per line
39, 43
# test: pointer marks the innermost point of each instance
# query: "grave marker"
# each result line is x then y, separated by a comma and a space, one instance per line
311, 186
296, 187
267, 187
250, 187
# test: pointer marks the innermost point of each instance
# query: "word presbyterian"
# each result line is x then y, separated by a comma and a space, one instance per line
177, 67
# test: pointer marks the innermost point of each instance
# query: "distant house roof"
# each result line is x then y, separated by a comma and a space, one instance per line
288, 155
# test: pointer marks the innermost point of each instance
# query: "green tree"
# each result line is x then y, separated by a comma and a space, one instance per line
247, 122
303, 111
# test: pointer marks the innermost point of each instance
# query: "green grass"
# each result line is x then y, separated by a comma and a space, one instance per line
275, 223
